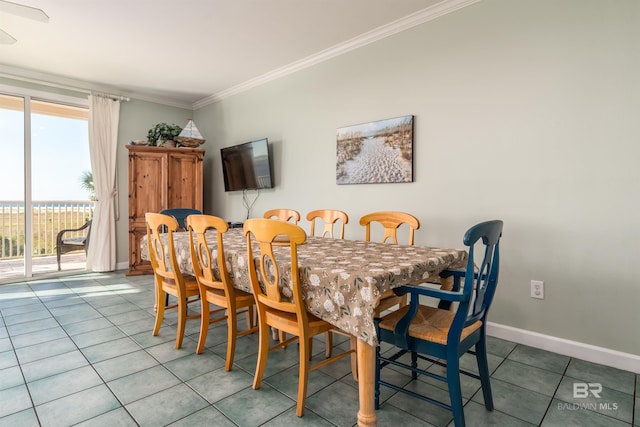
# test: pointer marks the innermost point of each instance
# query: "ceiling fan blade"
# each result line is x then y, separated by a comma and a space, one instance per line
6, 38
24, 11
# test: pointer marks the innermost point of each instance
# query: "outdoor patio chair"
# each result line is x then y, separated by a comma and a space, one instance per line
69, 244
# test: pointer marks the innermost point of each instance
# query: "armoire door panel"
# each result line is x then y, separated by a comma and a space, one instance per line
147, 183
185, 184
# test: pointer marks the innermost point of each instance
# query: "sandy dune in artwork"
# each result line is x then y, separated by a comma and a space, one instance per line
376, 162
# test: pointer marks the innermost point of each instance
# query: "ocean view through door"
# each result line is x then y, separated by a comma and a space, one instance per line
47, 184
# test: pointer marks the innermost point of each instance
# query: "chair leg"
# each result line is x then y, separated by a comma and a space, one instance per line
414, 365
263, 352
232, 331
353, 345
159, 292
403, 301
159, 318
250, 317
328, 344
305, 355
204, 324
182, 320
483, 369
455, 391
254, 316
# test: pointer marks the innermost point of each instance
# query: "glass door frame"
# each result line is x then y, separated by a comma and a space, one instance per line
37, 95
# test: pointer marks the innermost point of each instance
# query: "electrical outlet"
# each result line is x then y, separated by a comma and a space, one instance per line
537, 289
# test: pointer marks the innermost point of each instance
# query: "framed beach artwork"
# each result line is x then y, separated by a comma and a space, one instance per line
375, 152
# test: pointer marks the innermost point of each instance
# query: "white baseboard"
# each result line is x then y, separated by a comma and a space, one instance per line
591, 353
122, 265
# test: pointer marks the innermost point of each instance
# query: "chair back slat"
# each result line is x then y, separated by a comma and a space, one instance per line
270, 272
480, 282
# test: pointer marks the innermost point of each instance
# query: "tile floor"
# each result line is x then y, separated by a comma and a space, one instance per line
78, 350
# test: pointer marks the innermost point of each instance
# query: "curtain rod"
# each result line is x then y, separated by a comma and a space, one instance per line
108, 95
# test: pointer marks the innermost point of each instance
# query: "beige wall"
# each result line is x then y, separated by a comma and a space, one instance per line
136, 118
524, 110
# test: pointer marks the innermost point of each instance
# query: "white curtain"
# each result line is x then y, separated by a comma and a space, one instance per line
104, 116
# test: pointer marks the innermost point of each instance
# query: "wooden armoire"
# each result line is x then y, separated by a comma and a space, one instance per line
159, 178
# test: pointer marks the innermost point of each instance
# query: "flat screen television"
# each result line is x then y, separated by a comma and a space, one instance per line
247, 166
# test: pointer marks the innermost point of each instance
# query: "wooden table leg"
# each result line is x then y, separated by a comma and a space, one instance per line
446, 284
366, 386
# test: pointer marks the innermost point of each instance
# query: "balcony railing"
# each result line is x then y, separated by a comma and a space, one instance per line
49, 217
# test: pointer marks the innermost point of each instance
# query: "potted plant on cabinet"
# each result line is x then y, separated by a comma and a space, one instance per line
163, 134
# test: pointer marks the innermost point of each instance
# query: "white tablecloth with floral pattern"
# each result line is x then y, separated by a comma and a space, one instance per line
342, 280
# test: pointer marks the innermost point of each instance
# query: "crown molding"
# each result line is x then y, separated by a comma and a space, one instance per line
440, 9
82, 102
430, 13
52, 80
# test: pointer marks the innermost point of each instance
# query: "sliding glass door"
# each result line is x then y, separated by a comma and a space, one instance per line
12, 190
45, 150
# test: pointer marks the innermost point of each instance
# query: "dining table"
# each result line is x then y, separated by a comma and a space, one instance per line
342, 282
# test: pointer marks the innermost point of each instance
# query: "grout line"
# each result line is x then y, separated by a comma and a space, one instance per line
77, 291
74, 290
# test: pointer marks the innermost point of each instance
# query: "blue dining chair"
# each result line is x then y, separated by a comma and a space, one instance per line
180, 215
437, 335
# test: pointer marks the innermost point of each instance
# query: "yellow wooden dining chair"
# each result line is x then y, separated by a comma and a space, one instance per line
166, 271
329, 218
180, 214
286, 314
214, 283
283, 215
390, 222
